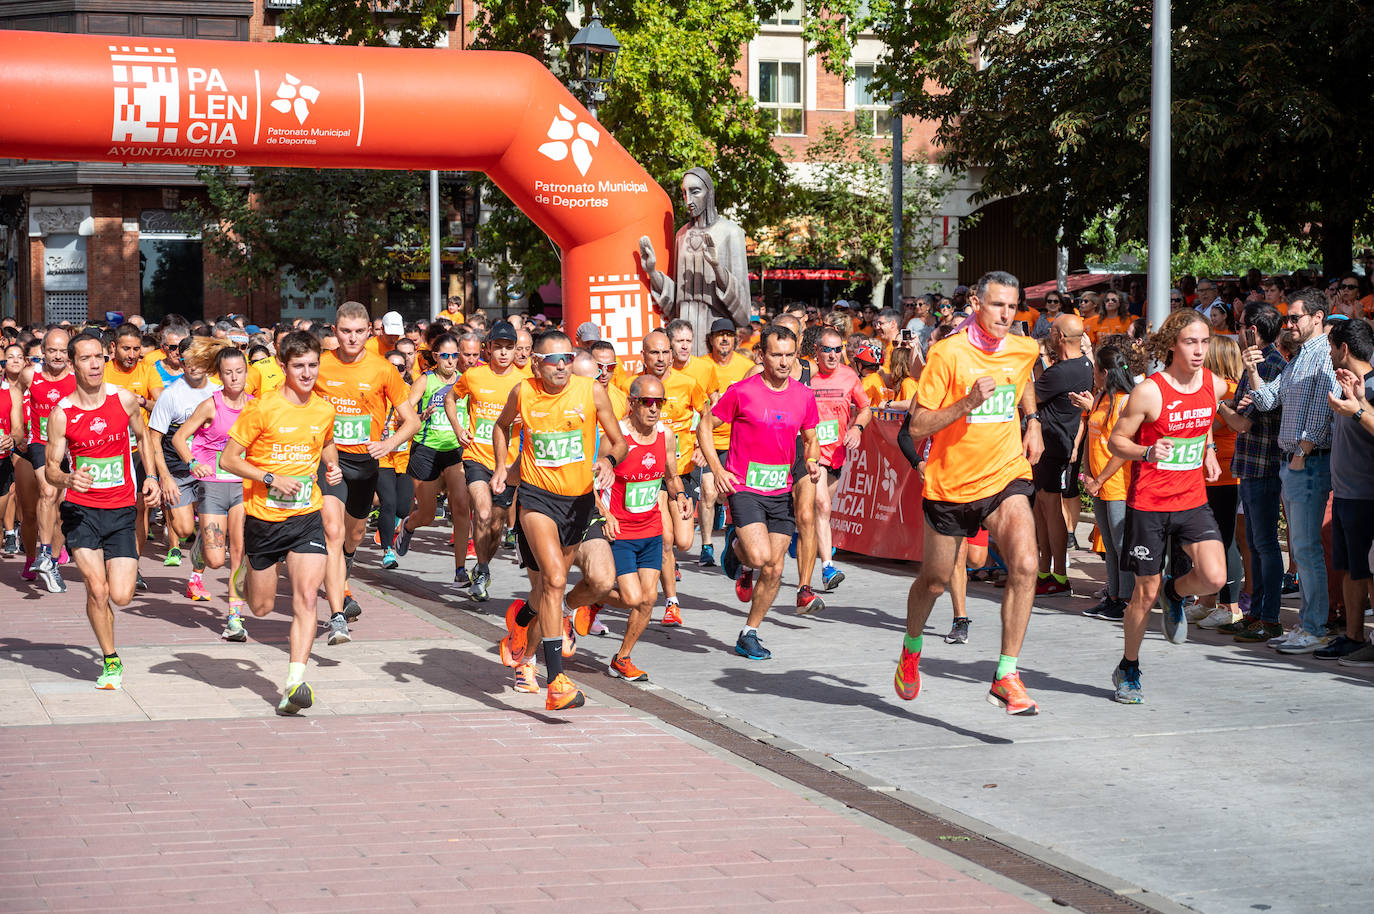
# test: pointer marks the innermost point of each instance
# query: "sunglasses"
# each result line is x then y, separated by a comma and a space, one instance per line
36, 359
830, 349
605, 367
1292, 318
652, 402
1053, 301
1351, 286
446, 355
556, 359
1172, 298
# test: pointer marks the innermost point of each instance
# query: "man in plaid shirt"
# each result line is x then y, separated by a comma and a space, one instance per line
1256, 465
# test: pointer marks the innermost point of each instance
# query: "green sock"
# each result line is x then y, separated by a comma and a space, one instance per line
1005, 666
1041, 576
913, 643
1061, 578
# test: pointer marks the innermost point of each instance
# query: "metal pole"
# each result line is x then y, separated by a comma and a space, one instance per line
435, 292
1160, 242
898, 273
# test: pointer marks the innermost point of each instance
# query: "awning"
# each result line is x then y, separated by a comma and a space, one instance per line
846, 275
1076, 282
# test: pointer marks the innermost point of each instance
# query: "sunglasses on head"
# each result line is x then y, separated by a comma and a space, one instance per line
651, 401
556, 359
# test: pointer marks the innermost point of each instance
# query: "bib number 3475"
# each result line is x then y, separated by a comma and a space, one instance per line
557, 449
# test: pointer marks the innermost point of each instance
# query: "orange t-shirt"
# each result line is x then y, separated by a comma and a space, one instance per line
877, 392
732, 372
362, 393
487, 393
283, 439
1107, 326
138, 382
702, 369
557, 436
1225, 439
981, 454
1101, 420
1029, 315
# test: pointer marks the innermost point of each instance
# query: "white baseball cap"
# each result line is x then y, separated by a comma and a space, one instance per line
393, 324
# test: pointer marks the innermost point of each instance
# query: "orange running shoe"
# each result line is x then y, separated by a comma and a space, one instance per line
569, 638
514, 645
907, 679
472, 550
1009, 693
377, 537
563, 695
672, 614
624, 668
584, 618
525, 680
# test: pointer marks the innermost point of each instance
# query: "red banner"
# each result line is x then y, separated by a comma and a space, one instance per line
877, 509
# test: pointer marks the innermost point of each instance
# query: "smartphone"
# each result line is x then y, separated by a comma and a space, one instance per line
1252, 337
906, 335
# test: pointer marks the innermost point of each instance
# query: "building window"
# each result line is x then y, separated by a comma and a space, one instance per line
871, 116
789, 13
780, 94
173, 279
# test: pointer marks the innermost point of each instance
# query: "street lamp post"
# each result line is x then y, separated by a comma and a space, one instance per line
1160, 242
598, 48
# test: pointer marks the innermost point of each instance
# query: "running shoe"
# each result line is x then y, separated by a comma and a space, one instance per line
1175, 622
672, 613
472, 550
718, 521
1238, 626
707, 559
1217, 618
907, 679
729, 562
513, 645
749, 647
296, 699
374, 518
139, 583
237, 577
1338, 648
598, 627
479, 581
1052, 587
958, 634
807, 601
624, 668
338, 629
744, 586
509, 540
831, 577
1127, 685
1094, 611
563, 695
584, 617
401, 541
11, 542
525, 680
390, 559
1115, 611
1244, 603
47, 569
111, 675
1360, 659
1284, 637
351, 608
1291, 585
197, 555
1303, 642
65, 557
28, 573
1009, 693
1195, 611
173, 559
569, 639
461, 577
1258, 632
196, 592
233, 629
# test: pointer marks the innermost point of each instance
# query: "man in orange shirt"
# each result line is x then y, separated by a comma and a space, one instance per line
970, 401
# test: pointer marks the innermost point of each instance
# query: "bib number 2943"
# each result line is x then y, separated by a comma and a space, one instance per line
106, 472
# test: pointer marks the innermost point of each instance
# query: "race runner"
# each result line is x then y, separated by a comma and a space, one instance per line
279, 444
767, 413
97, 423
43, 387
978, 474
1167, 426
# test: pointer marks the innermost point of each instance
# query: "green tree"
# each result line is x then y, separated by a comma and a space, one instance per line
1052, 98
843, 200
340, 225
1226, 253
674, 104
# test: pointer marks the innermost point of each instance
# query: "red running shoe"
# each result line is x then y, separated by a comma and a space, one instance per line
744, 585
907, 679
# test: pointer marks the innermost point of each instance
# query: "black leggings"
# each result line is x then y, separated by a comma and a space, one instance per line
1224, 500
395, 493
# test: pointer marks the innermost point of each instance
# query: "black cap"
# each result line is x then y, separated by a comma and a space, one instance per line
501, 330
722, 325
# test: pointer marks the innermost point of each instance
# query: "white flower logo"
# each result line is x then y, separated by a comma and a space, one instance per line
290, 97
563, 129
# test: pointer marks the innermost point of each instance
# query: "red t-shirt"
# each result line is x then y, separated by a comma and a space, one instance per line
638, 480
98, 439
1179, 483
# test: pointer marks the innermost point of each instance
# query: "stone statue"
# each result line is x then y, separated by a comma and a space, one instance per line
710, 275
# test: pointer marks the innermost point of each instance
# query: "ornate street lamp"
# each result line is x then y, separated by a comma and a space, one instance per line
598, 48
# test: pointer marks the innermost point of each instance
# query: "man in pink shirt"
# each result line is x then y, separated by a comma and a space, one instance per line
839, 395
767, 413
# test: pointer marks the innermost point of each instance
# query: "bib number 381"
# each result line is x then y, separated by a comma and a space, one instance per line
558, 449
1000, 407
352, 429
766, 477
1186, 455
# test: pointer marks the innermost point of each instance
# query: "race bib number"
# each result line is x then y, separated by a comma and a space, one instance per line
481, 433
352, 429
1186, 455
290, 503
767, 476
106, 472
642, 497
461, 410
43, 427
558, 449
828, 432
1000, 407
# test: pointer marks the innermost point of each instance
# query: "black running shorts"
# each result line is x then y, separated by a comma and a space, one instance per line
1146, 535
109, 530
359, 484
267, 542
962, 519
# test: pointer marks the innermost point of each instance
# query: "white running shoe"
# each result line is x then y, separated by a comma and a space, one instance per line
1217, 618
1303, 643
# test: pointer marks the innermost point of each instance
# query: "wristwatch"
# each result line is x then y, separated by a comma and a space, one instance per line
268, 479
1359, 414
1035, 415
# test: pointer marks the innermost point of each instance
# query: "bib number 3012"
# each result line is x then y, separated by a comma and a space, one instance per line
1000, 407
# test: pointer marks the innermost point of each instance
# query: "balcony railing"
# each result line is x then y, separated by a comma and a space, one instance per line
378, 6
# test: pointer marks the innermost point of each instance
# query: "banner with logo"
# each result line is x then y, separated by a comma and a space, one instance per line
877, 509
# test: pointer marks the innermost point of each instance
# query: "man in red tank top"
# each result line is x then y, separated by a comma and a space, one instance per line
43, 386
1167, 426
97, 424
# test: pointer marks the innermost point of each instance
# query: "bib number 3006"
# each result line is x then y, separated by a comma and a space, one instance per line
1000, 407
300, 500
558, 449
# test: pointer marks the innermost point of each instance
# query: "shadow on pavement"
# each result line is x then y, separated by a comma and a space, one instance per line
455, 672
70, 660
222, 673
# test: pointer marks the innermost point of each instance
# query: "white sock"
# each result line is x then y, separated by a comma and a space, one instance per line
747, 630
295, 674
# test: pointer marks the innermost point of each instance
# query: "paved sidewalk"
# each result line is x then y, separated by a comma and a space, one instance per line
420, 780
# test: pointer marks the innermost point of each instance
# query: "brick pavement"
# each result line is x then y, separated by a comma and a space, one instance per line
420, 780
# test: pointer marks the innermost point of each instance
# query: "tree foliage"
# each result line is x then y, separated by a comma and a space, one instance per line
1226, 253
1052, 98
324, 224
843, 198
674, 103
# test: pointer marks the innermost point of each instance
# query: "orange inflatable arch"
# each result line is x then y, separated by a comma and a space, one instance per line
104, 99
